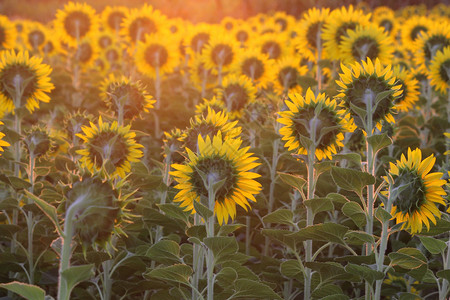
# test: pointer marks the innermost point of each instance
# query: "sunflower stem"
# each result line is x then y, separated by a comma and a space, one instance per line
219, 78
319, 54
445, 284
197, 262
30, 221
204, 80
166, 180
210, 234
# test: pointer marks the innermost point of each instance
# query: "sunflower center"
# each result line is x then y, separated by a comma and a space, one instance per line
342, 31
253, 68
434, 44
387, 25
14, 77
236, 95
108, 146
140, 27
416, 31
173, 29
36, 38
216, 169
112, 55
228, 25
204, 130
199, 41
288, 77
105, 41
49, 47
365, 47
242, 36
444, 71
222, 55
272, 49
156, 55
411, 192
282, 22
85, 52
311, 34
77, 24
114, 19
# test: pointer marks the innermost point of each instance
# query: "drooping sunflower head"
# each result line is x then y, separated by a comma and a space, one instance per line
256, 66
37, 141
126, 95
366, 41
8, 33
210, 126
109, 146
311, 27
428, 44
218, 160
413, 28
173, 145
3, 143
113, 16
368, 86
215, 104
410, 87
416, 192
76, 21
288, 71
24, 81
220, 52
236, 92
315, 118
440, 71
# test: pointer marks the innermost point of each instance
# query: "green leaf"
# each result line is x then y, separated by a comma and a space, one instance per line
25, 290
222, 247
407, 258
292, 269
355, 237
174, 211
408, 296
202, 210
282, 236
329, 271
379, 141
176, 273
337, 199
361, 112
64, 164
355, 212
364, 272
8, 230
434, 246
382, 95
351, 157
306, 82
322, 167
197, 231
226, 277
329, 290
165, 252
229, 228
293, 180
444, 274
319, 204
48, 209
442, 226
360, 259
382, 215
326, 232
246, 288
76, 274
351, 180
280, 216
15, 182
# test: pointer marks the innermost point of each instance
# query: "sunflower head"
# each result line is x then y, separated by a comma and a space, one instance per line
24, 81
113, 16
75, 121
256, 66
37, 141
440, 71
410, 87
220, 52
3, 143
217, 160
8, 33
215, 104
35, 35
311, 27
110, 147
288, 71
87, 52
368, 89
415, 191
316, 119
429, 44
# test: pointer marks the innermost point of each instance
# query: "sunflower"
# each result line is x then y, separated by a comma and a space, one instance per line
76, 21
417, 192
366, 42
87, 52
113, 16
284, 21
386, 20
228, 23
210, 126
218, 160
8, 33
112, 55
271, 44
361, 84
236, 92
302, 112
123, 93
287, 72
105, 39
2, 142
201, 78
410, 87
35, 36
256, 66
440, 70
215, 104
109, 144
220, 53
22, 72
413, 28
243, 33
428, 44
337, 25
141, 22
197, 37
156, 51
311, 26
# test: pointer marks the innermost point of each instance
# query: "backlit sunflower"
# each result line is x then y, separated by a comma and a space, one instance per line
218, 160
330, 124
215, 104
35, 35
386, 20
410, 87
123, 93
201, 77
8, 33
428, 44
287, 72
220, 53
87, 52
110, 146
256, 66
198, 37
417, 191
228, 23
271, 44
2, 142
76, 21
440, 71
210, 126
284, 21
157, 51
361, 84
140, 22
413, 28
104, 39
243, 33
113, 16
236, 92
366, 42
22, 72
337, 26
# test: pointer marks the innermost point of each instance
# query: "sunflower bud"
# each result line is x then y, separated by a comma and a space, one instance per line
37, 142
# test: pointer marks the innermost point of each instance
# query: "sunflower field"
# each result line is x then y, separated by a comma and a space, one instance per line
274, 157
